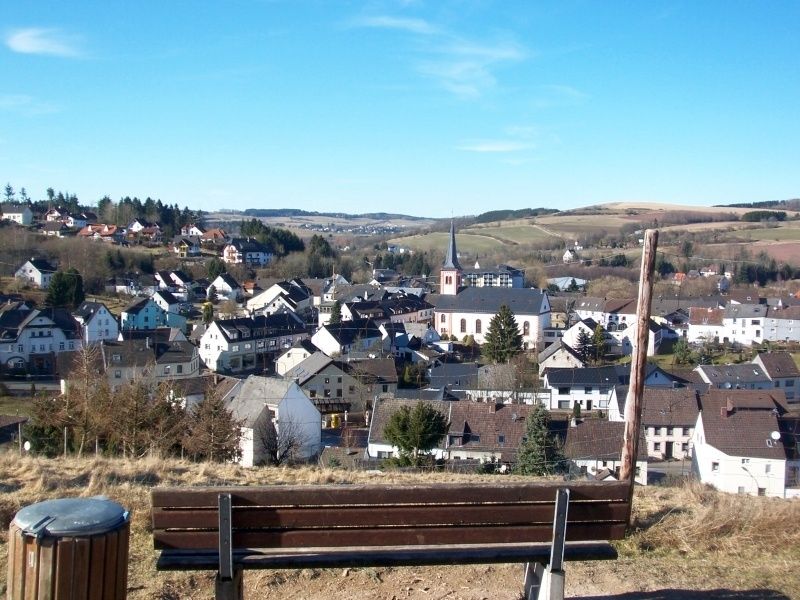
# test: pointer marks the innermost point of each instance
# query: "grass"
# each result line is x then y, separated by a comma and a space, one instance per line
699, 538
786, 232
514, 232
468, 244
15, 405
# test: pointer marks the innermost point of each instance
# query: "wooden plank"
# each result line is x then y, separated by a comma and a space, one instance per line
16, 562
347, 516
31, 567
122, 562
336, 495
385, 557
97, 562
47, 567
110, 571
65, 555
80, 570
381, 537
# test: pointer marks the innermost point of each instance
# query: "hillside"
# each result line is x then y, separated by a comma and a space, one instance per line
688, 540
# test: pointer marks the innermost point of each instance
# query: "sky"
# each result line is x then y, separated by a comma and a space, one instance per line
432, 108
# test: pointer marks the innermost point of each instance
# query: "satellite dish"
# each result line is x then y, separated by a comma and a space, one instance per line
775, 435
27, 446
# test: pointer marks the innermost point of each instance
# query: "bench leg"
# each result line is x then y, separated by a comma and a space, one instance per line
229, 589
547, 583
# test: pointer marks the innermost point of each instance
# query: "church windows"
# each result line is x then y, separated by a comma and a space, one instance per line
478, 326
526, 328
463, 325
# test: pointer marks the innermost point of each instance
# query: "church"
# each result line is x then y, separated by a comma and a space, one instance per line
467, 310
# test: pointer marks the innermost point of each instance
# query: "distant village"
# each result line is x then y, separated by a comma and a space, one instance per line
332, 360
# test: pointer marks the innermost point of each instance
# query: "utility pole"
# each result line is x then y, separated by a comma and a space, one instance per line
633, 403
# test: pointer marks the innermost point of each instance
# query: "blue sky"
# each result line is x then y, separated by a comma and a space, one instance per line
429, 108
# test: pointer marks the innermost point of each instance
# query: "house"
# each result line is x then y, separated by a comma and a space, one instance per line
349, 336
782, 371
705, 324
745, 376
55, 229
97, 322
591, 388
185, 246
669, 416
564, 284
171, 306
378, 446
291, 295
163, 360
145, 313
214, 237
139, 226
192, 230
248, 251
18, 213
102, 232
783, 324
31, 339
249, 343
467, 311
277, 418
738, 445
585, 327
294, 356
56, 214
503, 276
225, 286
37, 272
454, 375
594, 446
560, 355
744, 323
327, 383
569, 256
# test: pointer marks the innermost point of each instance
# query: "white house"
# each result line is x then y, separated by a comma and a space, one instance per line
669, 416
744, 323
292, 295
782, 371
171, 306
225, 286
744, 376
591, 388
19, 213
349, 336
705, 324
559, 355
294, 356
246, 251
278, 419
738, 446
249, 343
30, 339
97, 322
36, 271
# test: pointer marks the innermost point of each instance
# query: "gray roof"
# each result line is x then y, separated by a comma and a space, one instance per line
555, 347
741, 374
456, 375
451, 257
256, 393
664, 407
586, 376
745, 311
521, 301
312, 365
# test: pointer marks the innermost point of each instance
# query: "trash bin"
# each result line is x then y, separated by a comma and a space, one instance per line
69, 549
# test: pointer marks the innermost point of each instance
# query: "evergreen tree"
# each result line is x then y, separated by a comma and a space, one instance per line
208, 312
503, 339
211, 432
682, 352
336, 313
540, 452
59, 290
9, 193
584, 349
599, 344
215, 268
76, 295
415, 431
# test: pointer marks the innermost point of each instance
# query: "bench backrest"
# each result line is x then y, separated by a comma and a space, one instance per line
370, 515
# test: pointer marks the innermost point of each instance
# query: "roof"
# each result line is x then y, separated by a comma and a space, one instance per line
142, 352
254, 395
442, 393
451, 256
664, 406
384, 408
458, 375
346, 332
521, 301
258, 326
478, 426
42, 265
168, 297
248, 245
10, 208
778, 364
309, 367
228, 280
88, 309
136, 306
745, 311
560, 376
555, 347
740, 423
741, 374
596, 439
380, 369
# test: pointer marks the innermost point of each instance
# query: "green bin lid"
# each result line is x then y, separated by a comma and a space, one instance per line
71, 517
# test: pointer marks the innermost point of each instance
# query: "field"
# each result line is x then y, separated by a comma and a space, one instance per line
468, 244
687, 541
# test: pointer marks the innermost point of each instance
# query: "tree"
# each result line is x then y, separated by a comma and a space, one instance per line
540, 452
58, 292
584, 346
336, 313
208, 312
211, 431
9, 193
277, 443
599, 344
415, 431
215, 268
76, 295
682, 352
503, 339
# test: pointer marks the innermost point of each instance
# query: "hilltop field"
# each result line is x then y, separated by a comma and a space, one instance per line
688, 542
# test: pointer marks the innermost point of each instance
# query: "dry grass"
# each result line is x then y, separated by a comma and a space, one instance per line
704, 539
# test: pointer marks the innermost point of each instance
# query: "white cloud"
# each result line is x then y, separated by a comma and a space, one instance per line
496, 146
559, 95
410, 25
26, 105
46, 41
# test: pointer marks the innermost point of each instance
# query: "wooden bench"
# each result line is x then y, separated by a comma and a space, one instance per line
229, 529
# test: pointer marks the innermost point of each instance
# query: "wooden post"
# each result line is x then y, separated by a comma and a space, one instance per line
633, 403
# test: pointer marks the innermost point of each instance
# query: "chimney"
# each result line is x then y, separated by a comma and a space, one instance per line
492, 406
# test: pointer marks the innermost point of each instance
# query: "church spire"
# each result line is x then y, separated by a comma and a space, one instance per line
451, 258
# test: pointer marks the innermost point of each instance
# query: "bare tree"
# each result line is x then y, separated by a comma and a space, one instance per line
277, 441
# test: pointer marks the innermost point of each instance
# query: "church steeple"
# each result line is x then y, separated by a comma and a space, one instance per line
450, 275
451, 258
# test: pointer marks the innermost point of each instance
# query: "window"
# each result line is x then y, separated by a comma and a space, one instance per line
312, 393
587, 389
180, 368
741, 489
501, 439
669, 431
61, 345
685, 447
478, 326
235, 348
463, 325
167, 369
657, 446
767, 468
385, 388
327, 380
326, 393
745, 461
715, 466
117, 374
338, 380
351, 389
526, 328
563, 391
442, 319
762, 491
338, 392
603, 389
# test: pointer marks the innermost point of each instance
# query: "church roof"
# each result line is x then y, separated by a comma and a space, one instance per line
451, 258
